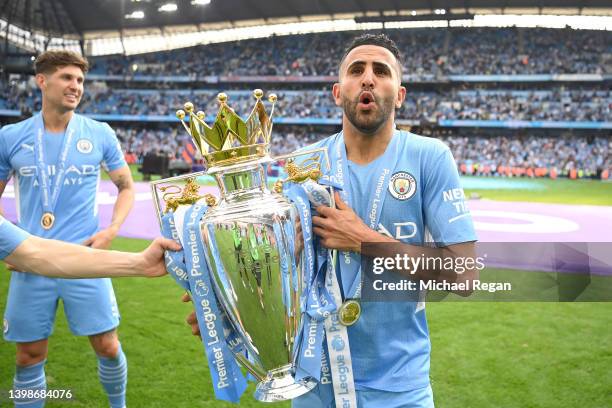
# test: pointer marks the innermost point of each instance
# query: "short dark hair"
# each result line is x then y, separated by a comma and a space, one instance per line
380, 40
49, 61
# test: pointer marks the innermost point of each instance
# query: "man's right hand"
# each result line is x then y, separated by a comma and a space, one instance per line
191, 318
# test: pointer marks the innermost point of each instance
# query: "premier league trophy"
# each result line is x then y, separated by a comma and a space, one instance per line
253, 249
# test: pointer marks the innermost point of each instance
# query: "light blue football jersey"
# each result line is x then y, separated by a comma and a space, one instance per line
10, 237
76, 212
423, 202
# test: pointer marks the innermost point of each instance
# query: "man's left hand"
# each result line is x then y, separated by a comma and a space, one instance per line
191, 319
340, 228
152, 259
102, 239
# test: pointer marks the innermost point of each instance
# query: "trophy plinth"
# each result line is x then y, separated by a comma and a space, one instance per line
280, 385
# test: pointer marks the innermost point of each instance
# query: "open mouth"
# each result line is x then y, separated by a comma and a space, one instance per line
366, 100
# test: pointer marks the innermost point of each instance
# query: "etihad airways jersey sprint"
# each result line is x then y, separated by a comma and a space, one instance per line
76, 216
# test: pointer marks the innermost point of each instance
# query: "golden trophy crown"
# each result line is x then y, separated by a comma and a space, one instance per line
230, 139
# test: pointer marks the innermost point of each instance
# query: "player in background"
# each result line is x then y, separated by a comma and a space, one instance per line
55, 157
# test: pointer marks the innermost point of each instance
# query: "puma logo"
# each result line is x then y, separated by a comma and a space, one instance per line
27, 146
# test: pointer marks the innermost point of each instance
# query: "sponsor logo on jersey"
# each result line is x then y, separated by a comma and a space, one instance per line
403, 230
74, 173
72, 170
84, 146
402, 185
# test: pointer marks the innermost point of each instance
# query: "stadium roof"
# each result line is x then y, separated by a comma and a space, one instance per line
78, 17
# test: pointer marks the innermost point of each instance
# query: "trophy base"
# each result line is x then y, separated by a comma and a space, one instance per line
281, 386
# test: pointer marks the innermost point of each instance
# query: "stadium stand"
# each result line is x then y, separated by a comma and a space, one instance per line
429, 52
475, 88
499, 104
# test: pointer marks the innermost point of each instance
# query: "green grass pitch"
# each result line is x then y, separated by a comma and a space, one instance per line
484, 354
560, 191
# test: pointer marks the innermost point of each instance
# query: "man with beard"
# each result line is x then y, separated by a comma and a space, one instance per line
394, 186
397, 188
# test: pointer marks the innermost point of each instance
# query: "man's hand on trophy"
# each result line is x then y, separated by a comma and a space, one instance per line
191, 318
299, 238
151, 261
340, 228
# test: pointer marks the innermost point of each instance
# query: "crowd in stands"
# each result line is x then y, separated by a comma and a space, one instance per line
552, 105
530, 155
138, 141
482, 155
21, 95
428, 53
528, 51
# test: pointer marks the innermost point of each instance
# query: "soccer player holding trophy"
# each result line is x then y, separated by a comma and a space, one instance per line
392, 190
56, 157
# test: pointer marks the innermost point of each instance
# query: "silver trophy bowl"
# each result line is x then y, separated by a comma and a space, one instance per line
254, 256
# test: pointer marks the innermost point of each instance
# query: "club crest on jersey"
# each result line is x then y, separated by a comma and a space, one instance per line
84, 146
402, 185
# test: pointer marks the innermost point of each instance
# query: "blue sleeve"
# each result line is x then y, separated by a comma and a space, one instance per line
10, 237
446, 214
5, 163
112, 154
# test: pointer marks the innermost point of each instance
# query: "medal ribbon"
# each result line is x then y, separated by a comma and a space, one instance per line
350, 262
338, 344
316, 304
49, 197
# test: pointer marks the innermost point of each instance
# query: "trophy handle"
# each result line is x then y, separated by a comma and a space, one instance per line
310, 168
160, 193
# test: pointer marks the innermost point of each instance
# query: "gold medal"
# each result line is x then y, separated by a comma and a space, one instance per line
47, 220
349, 312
